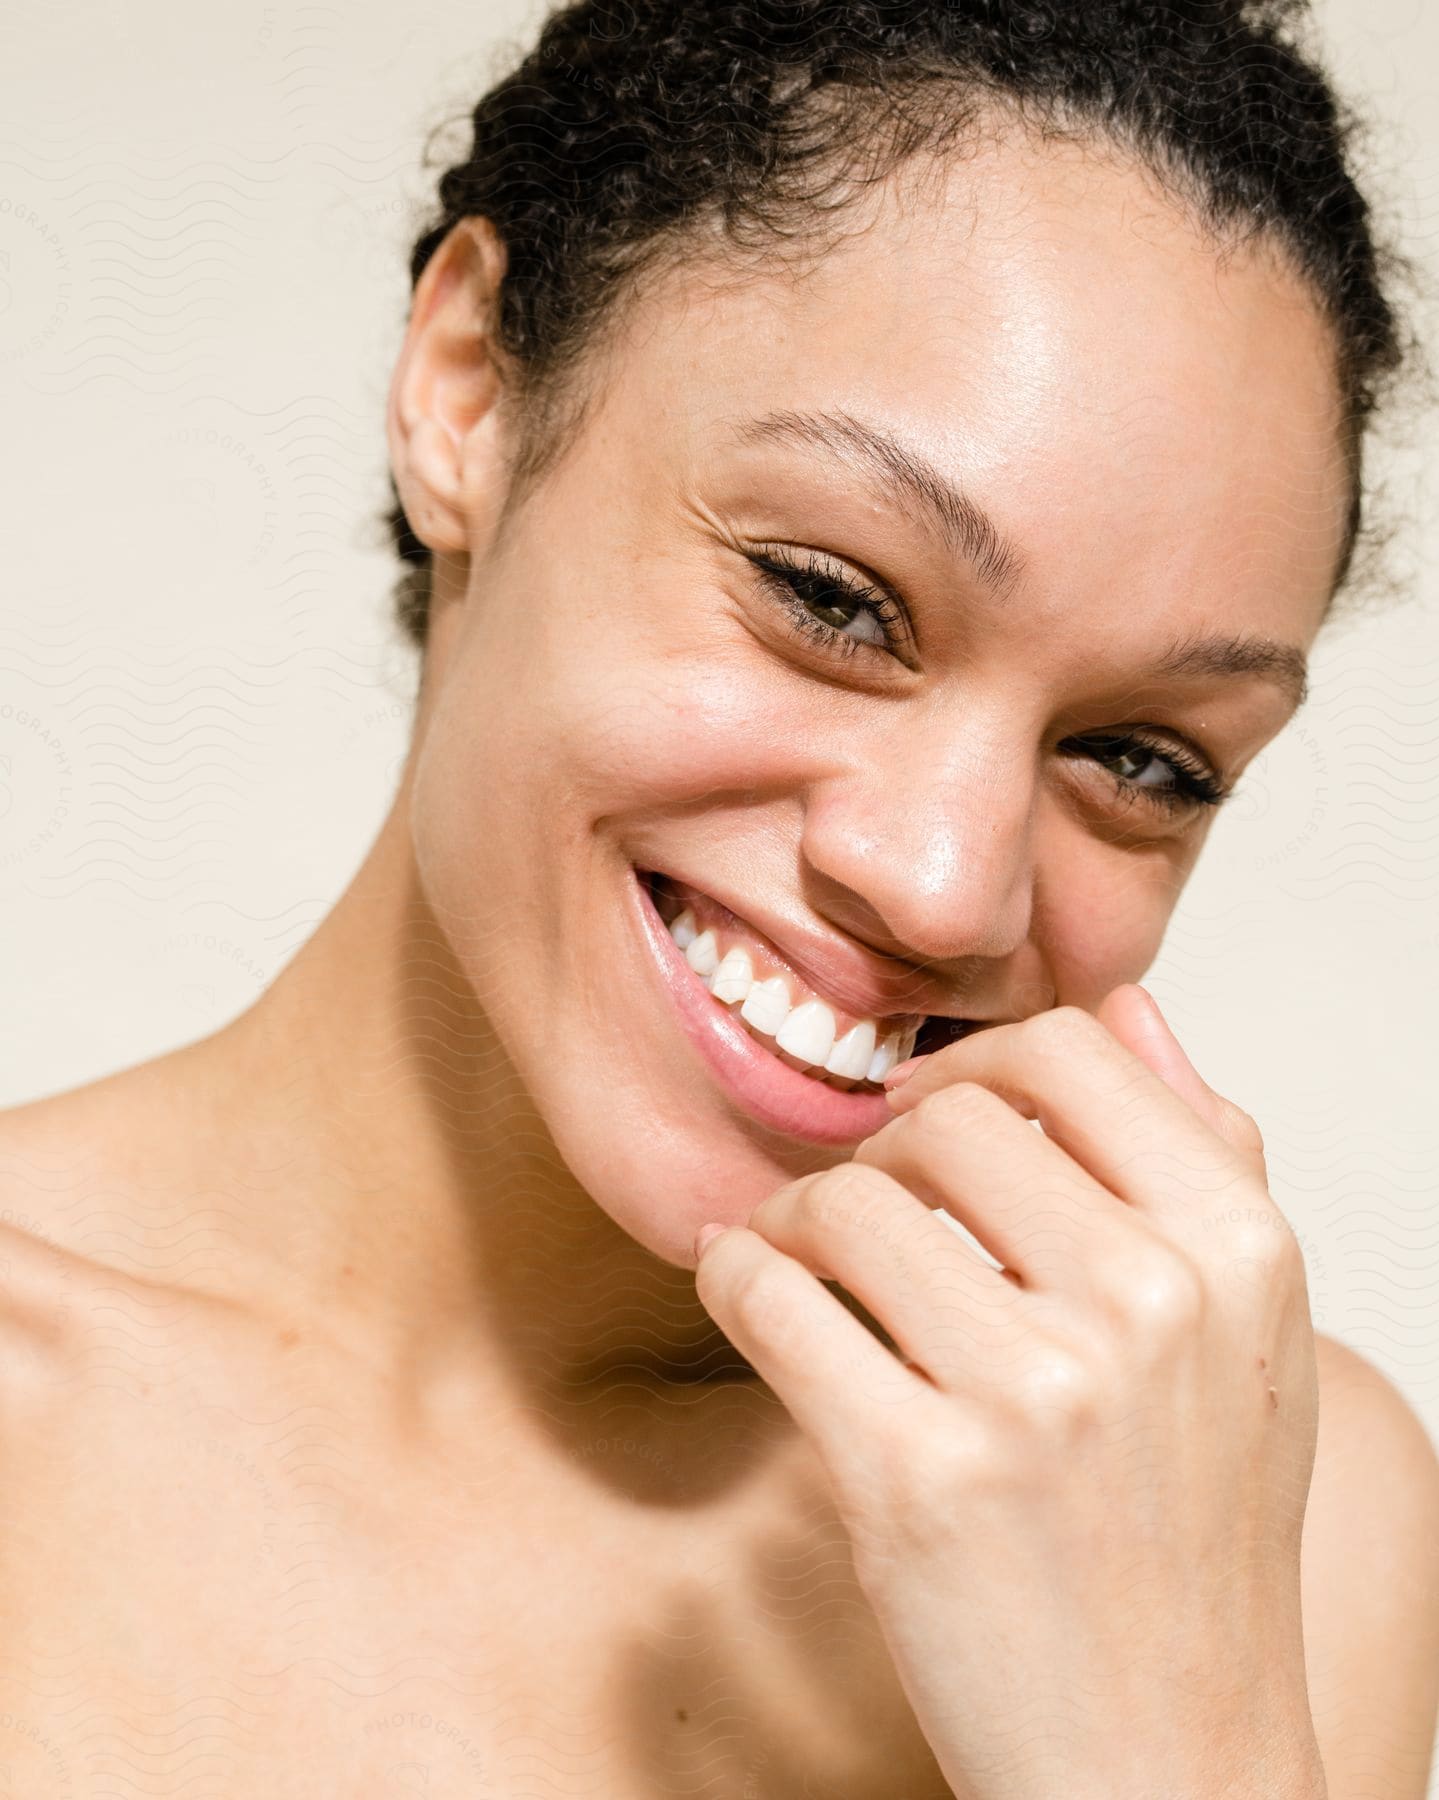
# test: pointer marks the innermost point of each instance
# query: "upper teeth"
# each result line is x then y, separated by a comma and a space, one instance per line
806, 1030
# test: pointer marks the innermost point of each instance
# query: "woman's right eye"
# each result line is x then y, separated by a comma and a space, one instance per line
822, 602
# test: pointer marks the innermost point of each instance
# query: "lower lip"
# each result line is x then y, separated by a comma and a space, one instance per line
767, 1089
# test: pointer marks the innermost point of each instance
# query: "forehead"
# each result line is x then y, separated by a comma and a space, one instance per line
1048, 327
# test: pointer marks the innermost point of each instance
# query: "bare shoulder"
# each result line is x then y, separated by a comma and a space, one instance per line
80, 1261
1370, 1582
54, 1181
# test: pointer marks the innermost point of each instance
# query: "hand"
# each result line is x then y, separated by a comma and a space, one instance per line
1076, 1505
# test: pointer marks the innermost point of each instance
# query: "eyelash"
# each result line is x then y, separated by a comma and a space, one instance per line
783, 578
1195, 783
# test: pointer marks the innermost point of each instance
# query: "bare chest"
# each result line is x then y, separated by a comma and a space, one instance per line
236, 1592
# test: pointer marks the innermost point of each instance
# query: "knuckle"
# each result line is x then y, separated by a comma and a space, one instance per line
1063, 1031
853, 1190
1161, 1291
959, 1461
1243, 1129
856, 1200
1057, 1390
1263, 1258
963, 1105
755, 1297
1264, 1240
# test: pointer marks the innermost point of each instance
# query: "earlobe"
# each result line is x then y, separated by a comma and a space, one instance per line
444, 390
428, 486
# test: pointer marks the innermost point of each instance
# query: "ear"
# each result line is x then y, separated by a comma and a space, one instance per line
442, 421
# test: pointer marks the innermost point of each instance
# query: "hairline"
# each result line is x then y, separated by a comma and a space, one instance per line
564, 395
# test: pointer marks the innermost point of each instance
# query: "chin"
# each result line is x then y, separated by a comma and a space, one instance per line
657, 1159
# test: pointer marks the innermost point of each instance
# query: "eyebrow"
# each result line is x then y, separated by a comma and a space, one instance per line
969, 534
965, 529
1283, 665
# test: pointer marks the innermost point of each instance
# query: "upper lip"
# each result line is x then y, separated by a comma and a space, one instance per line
862, 984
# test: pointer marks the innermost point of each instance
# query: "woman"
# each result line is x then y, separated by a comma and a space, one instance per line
872, 477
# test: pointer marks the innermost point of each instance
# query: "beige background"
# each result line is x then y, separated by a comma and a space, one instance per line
205, 213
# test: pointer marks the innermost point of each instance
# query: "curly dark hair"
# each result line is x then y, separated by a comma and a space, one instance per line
633, 128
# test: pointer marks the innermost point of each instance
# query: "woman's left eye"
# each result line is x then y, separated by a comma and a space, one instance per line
826, 606
1160, 773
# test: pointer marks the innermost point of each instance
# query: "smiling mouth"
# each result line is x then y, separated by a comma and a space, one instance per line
791, 1019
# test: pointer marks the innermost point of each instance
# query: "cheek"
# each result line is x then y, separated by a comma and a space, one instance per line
571, 724
1101, 918
652, 734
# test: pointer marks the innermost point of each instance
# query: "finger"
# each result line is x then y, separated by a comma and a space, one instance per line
828, 1370
1024, 1198
1099, 1101
1132, 1013
920, 1281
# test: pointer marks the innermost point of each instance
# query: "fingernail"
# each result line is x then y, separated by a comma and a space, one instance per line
1158, 1012
704, 1236
1168, 1031
902, 1072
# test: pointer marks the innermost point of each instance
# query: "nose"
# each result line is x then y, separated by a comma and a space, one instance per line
924, 847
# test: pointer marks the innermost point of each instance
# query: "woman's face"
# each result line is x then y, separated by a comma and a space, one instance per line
925, 808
